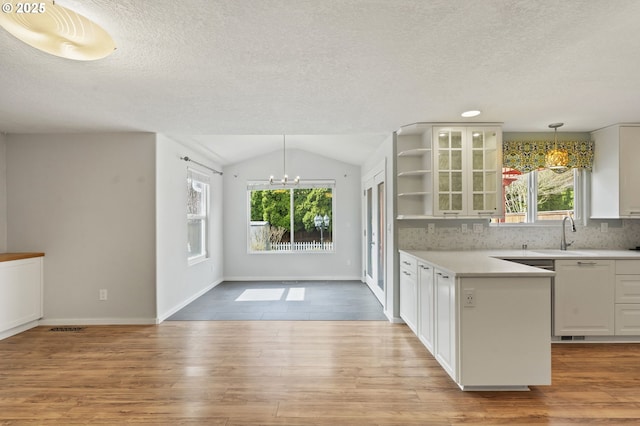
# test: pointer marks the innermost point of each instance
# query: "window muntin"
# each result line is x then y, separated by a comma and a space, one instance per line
197, 216
540, 196
291, 219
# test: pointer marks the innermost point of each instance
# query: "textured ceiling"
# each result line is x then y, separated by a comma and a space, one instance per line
356, 68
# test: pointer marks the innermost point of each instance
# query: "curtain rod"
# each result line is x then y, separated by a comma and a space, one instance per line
185, 158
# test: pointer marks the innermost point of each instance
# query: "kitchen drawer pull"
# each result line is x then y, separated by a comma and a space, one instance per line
424, 267
587, 263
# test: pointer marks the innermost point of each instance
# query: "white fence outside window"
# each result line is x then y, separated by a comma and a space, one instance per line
303, 246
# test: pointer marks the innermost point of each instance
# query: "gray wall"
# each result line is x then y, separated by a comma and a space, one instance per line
88, 202
345, 263
177, 282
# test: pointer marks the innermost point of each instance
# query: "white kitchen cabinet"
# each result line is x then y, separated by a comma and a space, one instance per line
627, 298
468, 165
448, 171
426, 305
20, 295
445, 323
409, 291
616, 176
584, 297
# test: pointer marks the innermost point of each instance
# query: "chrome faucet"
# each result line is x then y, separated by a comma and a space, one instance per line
563, 241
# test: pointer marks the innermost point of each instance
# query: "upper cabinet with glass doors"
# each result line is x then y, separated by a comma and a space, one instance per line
460, 178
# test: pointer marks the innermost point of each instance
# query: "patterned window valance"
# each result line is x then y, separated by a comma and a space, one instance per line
526, 156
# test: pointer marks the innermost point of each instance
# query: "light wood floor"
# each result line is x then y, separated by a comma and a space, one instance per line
291, 373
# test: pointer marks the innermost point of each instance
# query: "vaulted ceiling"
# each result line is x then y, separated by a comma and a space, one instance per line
345, 73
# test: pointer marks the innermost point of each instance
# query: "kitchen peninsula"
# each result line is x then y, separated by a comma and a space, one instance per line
488, 321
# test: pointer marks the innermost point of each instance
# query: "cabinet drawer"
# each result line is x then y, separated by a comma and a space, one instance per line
629, 267
627, 288
627, 319
409, 264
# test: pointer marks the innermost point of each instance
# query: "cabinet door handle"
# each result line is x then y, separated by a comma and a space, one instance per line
406, 263
634, 212
406, 273
442, 275
451, 213
485, 213
586, 263
424, 267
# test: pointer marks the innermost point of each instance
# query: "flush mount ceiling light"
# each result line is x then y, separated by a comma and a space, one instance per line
56, 30
471, 113
557, 159
285, 177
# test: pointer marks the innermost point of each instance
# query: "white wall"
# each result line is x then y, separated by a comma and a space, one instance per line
344, 263
178, 283
3, 193
88, 202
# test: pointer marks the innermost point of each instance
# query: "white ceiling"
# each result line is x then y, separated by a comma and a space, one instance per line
347, 71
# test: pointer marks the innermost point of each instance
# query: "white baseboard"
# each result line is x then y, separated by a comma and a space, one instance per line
184, 303
290, 278
98, 321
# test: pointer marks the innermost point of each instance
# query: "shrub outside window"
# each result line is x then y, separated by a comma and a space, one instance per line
291, 219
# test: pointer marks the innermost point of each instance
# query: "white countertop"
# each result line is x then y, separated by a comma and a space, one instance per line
490, 263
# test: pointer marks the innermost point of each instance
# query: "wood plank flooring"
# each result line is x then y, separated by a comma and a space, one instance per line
289, 373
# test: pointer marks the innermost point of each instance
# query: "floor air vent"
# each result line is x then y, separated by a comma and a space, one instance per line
67, 329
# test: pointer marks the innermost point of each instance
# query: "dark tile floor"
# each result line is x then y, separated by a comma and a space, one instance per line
285, 300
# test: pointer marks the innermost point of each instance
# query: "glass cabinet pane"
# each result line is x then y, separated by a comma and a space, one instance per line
443, 202
456, 181
478, 201
456, 140
443, 182
477, 139
456, 160
478, 181
477, 159
456, 201
443, 160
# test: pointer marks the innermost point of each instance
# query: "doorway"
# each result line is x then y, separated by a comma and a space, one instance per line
374, 232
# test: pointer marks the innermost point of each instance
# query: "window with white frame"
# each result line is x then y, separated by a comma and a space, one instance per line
291, 218
541, 195
197, 215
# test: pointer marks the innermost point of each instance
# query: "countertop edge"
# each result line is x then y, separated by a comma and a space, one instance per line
7, 257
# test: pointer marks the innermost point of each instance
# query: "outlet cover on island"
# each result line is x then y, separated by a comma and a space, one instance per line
102, 294
431, 228
477, 228
465, 228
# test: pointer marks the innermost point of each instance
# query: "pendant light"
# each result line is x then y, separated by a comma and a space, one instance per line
285, 177
557, 159
56, 30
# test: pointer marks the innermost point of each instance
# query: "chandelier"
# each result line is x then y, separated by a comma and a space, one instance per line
557, 159
285, 177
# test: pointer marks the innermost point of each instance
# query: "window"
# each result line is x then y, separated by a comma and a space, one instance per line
285, 219
541, 195
197, 215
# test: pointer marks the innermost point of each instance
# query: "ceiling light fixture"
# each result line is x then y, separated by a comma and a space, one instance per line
557, 159
285, 177
56, 30
471, 113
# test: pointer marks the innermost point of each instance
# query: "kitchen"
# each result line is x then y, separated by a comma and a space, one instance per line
95, 182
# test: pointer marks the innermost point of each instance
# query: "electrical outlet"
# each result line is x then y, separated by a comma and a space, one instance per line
477, 228
431, 228
102, 295
465, 228
469, 295
604, 227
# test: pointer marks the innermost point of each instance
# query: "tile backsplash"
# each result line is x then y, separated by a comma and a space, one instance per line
621, 234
